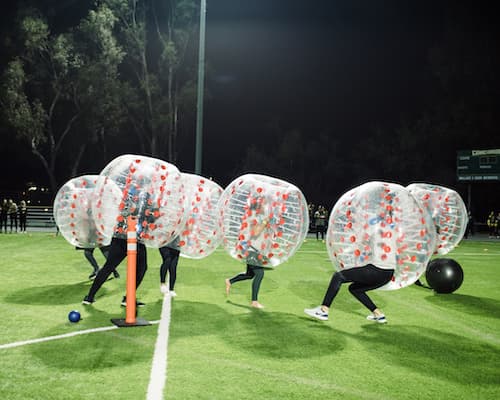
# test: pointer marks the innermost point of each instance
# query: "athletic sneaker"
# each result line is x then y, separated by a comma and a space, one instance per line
164, 288
317, 313
381, 319
87, 300
137, 302
172, 293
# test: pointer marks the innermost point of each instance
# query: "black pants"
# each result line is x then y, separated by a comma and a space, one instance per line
254, 272
320, 230
117, 252
364, 278
13, 221
3, 222
22, 222
89, 255
170, 259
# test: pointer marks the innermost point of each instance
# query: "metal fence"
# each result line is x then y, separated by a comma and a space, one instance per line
40, 217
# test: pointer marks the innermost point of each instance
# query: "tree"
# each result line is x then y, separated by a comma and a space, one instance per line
55, 80
159, 80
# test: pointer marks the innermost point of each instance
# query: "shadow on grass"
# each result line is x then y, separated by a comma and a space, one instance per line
280, 335
473, 305
269, 334
95, 351
435, 353
51, 294
309, 290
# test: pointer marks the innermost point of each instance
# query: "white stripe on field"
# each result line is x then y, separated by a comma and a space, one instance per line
63, 336
158, 376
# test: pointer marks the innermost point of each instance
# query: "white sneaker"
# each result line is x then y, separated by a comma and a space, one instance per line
172, 293
317, 313
381, 319
164, 289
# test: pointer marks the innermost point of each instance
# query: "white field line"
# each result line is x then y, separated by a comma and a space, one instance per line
158, 377
63, 336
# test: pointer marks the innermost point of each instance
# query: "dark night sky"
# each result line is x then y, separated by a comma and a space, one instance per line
339, 65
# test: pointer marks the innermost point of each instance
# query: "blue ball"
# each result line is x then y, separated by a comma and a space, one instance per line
74, 316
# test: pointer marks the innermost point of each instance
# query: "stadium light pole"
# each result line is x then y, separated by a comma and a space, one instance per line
201, 85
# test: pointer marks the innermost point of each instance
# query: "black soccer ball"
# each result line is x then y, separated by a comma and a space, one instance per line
444, 275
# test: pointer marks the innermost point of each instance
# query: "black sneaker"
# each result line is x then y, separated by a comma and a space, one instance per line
137, 302
87, 300
116, 274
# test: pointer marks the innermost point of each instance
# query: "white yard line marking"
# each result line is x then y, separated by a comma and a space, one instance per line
158, 377
63, 336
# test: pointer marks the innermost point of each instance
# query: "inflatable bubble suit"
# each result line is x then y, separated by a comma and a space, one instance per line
382, 224
201, 234
264, 219
73, 212
151, 191
447, 210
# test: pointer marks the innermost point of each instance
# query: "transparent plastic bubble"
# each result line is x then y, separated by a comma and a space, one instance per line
73, 213
201, 233
382, 224
151, 191
264, 219
447, 210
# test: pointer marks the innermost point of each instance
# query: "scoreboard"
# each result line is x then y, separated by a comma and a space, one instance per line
478, 165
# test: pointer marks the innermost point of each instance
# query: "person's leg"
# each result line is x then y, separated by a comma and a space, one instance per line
166, 259
321, 312
336, 282
370, 278
338, 278
172, 277
117, 252
257, 280
89, 255
249, 274
142, 264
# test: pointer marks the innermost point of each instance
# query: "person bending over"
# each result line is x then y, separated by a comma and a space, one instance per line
362, 279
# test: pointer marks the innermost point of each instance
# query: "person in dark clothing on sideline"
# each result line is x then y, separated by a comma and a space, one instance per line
368, 277
13, 216
23, 215
4, 211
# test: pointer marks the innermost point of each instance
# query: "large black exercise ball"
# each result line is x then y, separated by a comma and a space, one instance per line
444, 275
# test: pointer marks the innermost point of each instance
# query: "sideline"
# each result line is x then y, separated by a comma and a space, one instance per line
158, 377
63, 336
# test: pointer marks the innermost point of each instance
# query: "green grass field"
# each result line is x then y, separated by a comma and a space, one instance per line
434, 347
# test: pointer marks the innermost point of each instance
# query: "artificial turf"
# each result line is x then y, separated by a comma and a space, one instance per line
435, 346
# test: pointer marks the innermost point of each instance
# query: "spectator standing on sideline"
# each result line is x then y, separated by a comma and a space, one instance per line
23, 215
497, 225
320, 217
491, 224
13, 215
4, 211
